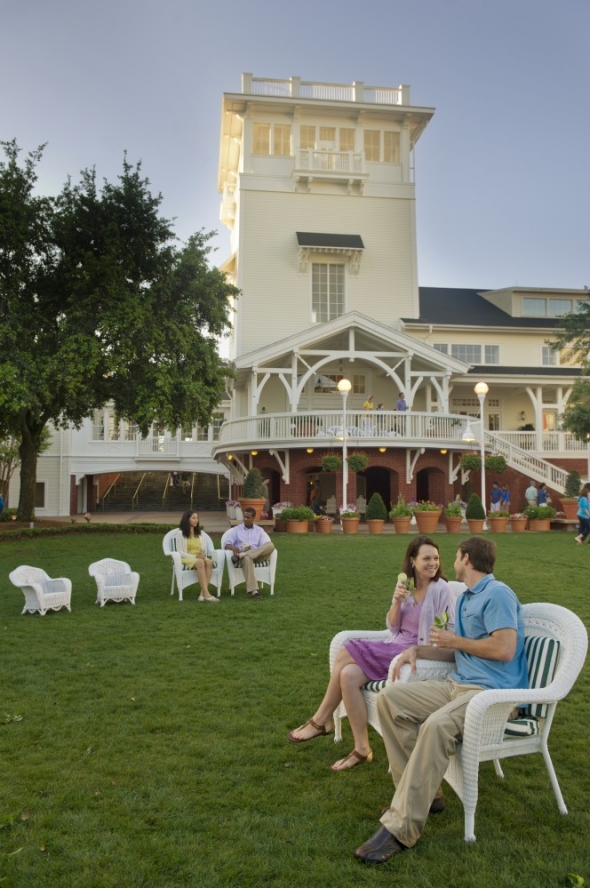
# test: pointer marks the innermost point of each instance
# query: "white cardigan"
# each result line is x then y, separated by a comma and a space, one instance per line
181, 544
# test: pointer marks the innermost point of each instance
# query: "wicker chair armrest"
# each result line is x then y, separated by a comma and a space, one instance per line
60, 584
426, 670
348, 634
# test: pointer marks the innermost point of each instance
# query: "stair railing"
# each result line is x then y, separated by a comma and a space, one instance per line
533, 466
166, 486
109, 489
136, 494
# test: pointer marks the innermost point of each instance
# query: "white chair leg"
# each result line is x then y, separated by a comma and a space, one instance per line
554, 783
498, 769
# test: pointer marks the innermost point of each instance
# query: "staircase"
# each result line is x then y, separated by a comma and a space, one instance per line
154, 492
521, 460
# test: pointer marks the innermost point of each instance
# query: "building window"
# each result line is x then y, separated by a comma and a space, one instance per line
469, 354
491, 354
281, 139
346, 139
559, 307
327, 287
546, 308
262, 138
327, 383
218, 420
358, 385
307, 137
202, 433
441, 347
372, 145
328, 135
391, 147
548, 356
40, 495
186, 434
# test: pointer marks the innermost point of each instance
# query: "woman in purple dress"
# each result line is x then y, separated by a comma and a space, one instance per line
360, 660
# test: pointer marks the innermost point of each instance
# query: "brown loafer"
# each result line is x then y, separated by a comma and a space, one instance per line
379, 848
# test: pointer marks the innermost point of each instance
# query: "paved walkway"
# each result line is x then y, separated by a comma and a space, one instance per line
217, 522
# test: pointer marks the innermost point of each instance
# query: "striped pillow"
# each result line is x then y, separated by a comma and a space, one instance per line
375, 686
541, 654
522, 727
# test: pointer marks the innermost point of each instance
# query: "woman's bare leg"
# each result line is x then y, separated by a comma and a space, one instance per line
332, 697
201, 571
352, 678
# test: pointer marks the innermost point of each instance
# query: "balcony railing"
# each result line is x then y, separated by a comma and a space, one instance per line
311, 160
328, 92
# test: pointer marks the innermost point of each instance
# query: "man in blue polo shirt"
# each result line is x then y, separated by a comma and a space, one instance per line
422, 722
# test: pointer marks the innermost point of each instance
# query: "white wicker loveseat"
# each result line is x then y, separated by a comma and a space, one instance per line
556, 644
114, 580
185, 576
40, 591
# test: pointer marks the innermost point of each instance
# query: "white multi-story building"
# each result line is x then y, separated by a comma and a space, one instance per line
318, 190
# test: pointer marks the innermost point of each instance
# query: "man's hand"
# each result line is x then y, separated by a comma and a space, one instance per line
234, 549
442, 638
407, 656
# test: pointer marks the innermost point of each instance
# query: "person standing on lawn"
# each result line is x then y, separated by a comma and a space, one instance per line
423, 721
495, 497
249, 543
505, 501
530, 494
584, 514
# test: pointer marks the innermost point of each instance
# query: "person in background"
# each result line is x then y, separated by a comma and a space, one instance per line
369, 403
314, 500
1, 503
400, 404
359, 660
584, 514
530, 494
250, 544
543, 498
505, 501
495, 497
195, 549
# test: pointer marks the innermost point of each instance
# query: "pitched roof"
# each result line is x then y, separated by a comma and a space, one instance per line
467, 308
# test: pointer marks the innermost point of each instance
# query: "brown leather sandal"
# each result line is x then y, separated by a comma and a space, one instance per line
321, 731
354, 754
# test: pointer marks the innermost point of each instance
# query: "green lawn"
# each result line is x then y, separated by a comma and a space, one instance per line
153, 749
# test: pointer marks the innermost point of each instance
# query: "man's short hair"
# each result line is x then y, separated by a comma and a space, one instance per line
249, 511
482, 553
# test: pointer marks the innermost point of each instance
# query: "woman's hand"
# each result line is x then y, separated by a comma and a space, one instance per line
400, 593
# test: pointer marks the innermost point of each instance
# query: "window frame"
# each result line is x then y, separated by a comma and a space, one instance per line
316, 311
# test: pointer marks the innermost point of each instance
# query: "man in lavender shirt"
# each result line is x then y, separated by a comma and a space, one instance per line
250, 544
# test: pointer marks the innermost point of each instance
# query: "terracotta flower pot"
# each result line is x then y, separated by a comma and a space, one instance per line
256, 504
427, 521
350, 525
518, 525
375, 525
569, 507
323, 526
475, 525
453, 523
540, 524
280, 526
298, 526
497, 525
402, 524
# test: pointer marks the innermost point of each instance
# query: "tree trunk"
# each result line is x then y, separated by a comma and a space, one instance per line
29, 448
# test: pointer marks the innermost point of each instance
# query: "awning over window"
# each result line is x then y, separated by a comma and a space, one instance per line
348, 246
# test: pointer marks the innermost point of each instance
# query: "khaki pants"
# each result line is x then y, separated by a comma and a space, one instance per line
248, 564
421, 724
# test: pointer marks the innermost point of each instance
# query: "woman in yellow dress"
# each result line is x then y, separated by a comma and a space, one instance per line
193, 553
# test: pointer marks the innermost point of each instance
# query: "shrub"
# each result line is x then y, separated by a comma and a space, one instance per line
376, 508
539, 512
454, 509
357, 462
254, 487
297, 513
492, 515
573, 483
401, 509
470, 462
495, 463
475, 509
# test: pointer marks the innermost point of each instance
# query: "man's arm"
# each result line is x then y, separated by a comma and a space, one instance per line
500, 645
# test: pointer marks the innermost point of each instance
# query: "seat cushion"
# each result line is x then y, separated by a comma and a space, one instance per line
541, 654
375, 686
522, 727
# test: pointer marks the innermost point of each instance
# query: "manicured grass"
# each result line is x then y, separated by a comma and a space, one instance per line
152, 749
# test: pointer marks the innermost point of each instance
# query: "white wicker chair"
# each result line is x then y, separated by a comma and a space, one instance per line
186, 576
265, 571
114, 580
489, 734
372, 688
41, 592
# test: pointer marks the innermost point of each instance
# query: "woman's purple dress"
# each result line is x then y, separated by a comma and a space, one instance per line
374, 657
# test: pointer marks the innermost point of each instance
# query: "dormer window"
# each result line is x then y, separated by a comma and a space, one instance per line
539, 307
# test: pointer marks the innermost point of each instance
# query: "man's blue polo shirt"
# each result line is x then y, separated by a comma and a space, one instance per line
489, 606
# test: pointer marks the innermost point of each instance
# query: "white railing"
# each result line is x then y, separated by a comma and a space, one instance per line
533, 466
551, 442
157, 446
331, 92
329, 161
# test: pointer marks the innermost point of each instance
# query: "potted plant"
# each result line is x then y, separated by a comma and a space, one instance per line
569, 500
358, 462
376, 513
427, 515
349, 518
230, 506
470, 462
539, 517
297, 518
518, 522
277, 511
331, 462
401, 515
253, 493
453, 516
497, 521
475, 514
323, 523
495, 463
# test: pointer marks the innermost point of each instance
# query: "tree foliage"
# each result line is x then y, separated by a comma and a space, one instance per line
575, 335
99, 303
576, 417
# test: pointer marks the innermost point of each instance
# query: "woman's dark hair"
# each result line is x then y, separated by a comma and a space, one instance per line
185, 526
412, 552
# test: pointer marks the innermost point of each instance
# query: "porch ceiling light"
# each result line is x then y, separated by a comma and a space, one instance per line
383, 450
309, 450
230, 456
444, 451
254, 452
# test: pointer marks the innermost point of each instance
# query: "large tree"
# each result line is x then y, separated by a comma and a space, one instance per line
98, 302
574, 335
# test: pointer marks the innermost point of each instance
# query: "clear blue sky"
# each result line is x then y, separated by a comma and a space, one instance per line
503, 169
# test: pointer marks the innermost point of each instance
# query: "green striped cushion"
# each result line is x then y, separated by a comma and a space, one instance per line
186, 567
541, 654
522, 727
374, 685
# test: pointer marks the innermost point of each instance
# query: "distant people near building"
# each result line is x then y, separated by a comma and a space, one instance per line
543, 498
175, 479
530, 494
380, 419
264, 426
505, 501
1, 503
381, 406
369, 403
267, 508
495, 497
400, 404
314, 500
186, 484
584, 514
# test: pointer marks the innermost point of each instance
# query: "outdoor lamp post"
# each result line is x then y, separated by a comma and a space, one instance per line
481, 390
344, 386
